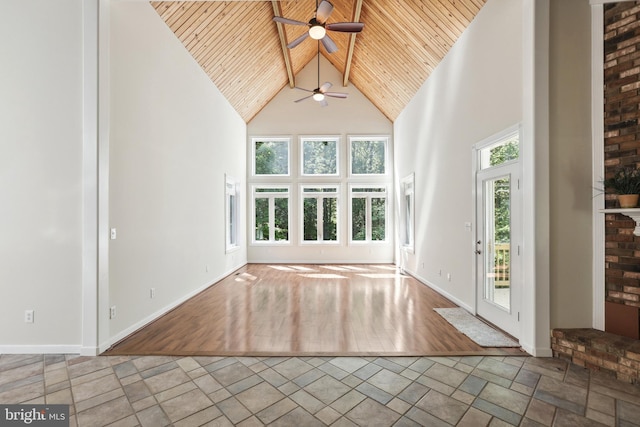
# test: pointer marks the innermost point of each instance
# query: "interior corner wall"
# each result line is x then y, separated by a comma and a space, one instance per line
41, 175
355, 115
570, 166
173, 137
474, 93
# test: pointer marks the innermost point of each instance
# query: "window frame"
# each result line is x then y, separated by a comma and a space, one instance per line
302, 195
232, 218
327, 138
359, 138
408, 215
271, 196
284, 139
368, 209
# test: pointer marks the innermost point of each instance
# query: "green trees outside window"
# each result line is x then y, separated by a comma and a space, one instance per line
368, 214
368, 157
319, 157
271, 214
271, 157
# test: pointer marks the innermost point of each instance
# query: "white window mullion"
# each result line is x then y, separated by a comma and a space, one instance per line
319, 217
272, 220
368, 218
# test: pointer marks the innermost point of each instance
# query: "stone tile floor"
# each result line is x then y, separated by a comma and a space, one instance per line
316, 391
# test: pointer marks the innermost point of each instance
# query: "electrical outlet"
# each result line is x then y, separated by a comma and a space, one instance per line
112, 312
28, 316
113, 234
449, 276
152, 292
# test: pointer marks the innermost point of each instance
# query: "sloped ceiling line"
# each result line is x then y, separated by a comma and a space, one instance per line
241, 50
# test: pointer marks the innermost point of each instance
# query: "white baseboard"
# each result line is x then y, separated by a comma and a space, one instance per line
40, 349
142, 323
324, 261
442, 292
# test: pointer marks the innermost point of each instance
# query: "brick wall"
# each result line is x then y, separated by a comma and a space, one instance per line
622, 144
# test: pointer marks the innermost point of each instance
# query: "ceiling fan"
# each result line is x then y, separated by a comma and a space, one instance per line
318, 27
320, 93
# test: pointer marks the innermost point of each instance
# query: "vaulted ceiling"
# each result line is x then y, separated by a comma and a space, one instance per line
244, 52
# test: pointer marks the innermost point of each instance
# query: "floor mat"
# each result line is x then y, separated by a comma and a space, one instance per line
478, 331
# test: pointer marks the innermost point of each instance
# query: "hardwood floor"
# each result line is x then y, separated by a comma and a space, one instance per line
338, 310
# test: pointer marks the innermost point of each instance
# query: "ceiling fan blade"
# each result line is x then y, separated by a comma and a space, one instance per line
336, 94
324, 103
345, 27
324, 10
302, 99
283, 20
329, 44
325, 86
306, 90
299, 40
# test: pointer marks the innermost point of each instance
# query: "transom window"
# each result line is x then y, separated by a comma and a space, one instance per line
368, 155
503, 151
319, 156
271, 156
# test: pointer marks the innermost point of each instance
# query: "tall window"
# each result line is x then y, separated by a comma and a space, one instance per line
368, 155
231, 213
271, 214
408, 212
319, 156
319, 213
368, 213
270, 156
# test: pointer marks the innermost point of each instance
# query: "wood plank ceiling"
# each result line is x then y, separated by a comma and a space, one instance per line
237, 44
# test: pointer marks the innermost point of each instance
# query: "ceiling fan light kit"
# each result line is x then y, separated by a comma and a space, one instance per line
317, 32
318, 27
320, 93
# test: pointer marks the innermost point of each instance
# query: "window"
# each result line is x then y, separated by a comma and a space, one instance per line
368, 155
231, 213
368, 213
503, 151
320, 213
319, 156
270, 156
271, 214
408, 212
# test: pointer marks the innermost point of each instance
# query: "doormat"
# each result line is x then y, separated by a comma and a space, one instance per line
481, 333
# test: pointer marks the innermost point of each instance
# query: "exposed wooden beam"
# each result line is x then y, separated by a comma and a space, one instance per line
277, 11
352, 42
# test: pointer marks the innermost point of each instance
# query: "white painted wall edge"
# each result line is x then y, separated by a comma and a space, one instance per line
136, 326
597, 155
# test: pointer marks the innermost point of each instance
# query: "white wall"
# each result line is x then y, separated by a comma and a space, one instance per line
342, 117
40, 175
173, 138
475, 92
570, 164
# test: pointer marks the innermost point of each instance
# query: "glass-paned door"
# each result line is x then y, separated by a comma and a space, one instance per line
498, 234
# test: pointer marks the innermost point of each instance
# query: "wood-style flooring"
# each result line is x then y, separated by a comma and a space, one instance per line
298, 310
